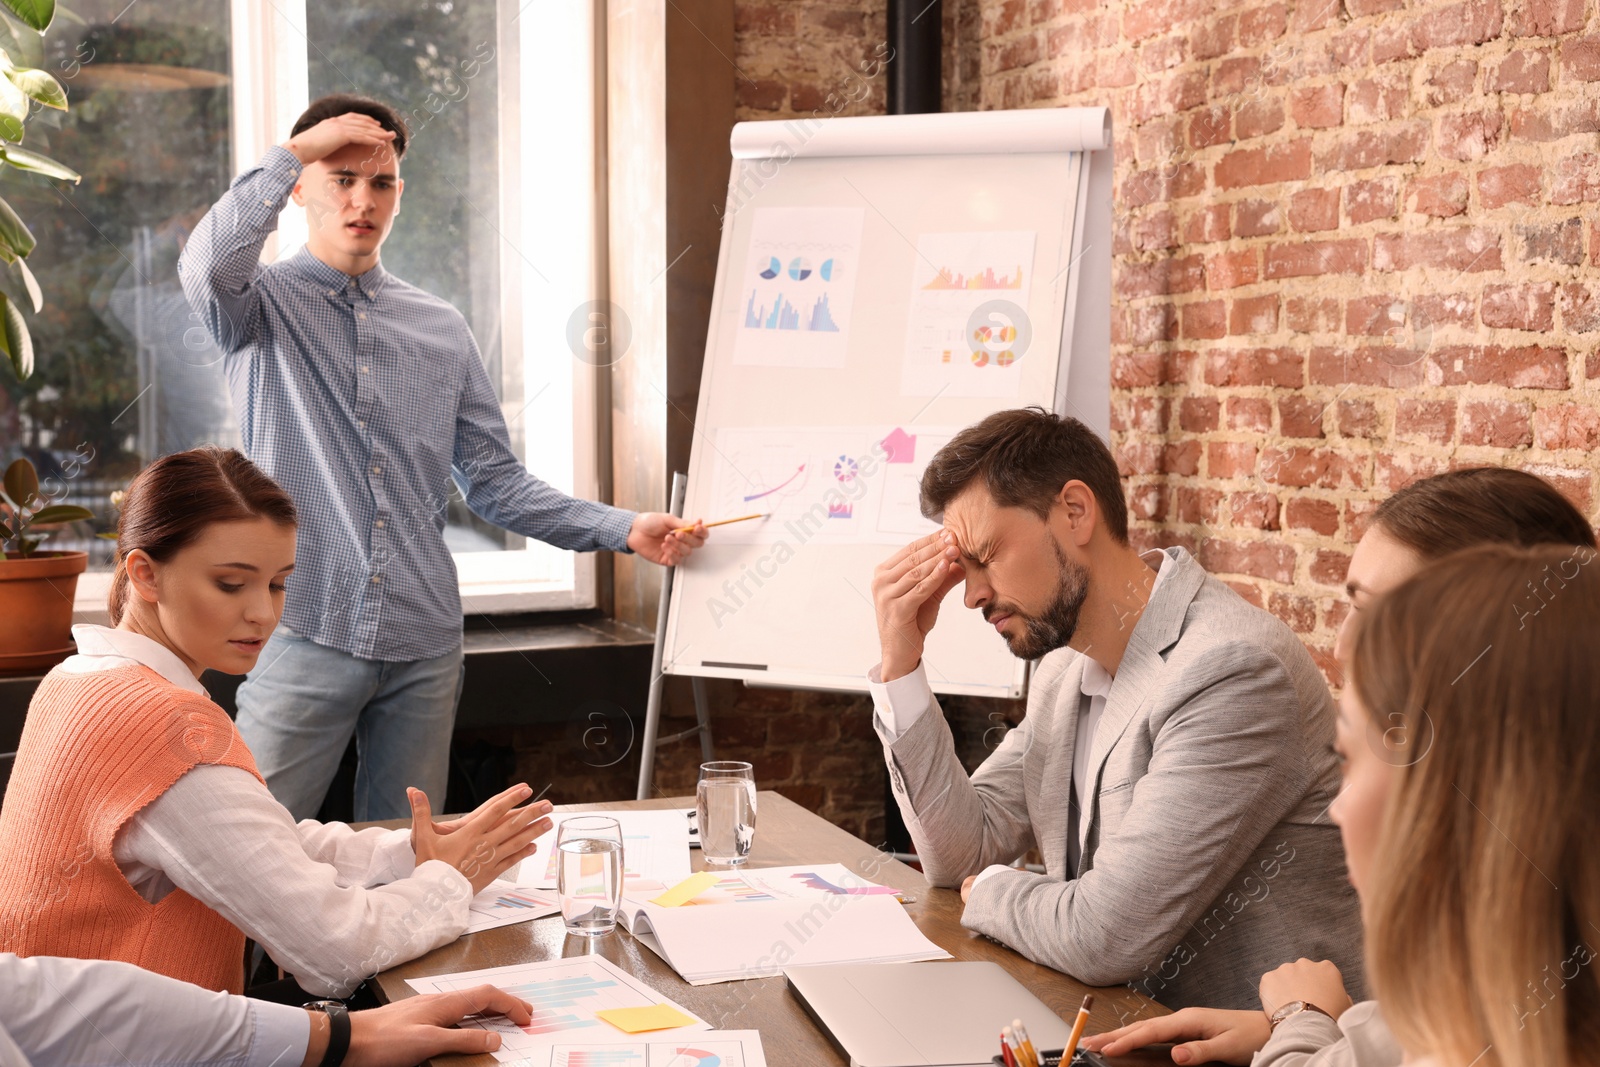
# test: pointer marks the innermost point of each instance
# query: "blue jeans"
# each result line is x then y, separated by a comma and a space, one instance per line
302, 702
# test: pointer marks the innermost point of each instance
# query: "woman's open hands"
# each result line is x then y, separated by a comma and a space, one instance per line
482, 845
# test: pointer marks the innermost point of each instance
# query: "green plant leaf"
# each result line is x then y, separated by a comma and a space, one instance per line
15, 339
28, 544
61, 513
40, 86
30, 285
5, 531
13, 102
36, 14
23, 159
14, 233
22, 483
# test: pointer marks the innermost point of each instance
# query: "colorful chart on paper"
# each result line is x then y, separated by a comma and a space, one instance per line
565, 995
714, 1048
799, 285
969, 325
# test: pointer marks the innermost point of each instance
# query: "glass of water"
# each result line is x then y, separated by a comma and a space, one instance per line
589, 877
726, 799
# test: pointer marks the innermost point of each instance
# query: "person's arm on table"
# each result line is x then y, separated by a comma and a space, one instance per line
499, 489
1183, 838
87, 1013
221, 838
959, 824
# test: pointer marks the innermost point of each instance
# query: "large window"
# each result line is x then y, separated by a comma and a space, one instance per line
170, 100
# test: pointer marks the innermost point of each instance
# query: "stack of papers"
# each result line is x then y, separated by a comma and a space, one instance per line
727, 926
713, 1048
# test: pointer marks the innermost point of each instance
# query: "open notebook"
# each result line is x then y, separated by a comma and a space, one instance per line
754, 923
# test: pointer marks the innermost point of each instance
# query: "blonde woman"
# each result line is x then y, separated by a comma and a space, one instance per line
1317, 1024
1471, 807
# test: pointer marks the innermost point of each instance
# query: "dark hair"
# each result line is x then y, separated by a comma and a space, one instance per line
171, 501
1481, 505
335, 104
1023, 457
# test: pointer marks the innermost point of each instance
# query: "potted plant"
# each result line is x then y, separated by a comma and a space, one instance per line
36, 588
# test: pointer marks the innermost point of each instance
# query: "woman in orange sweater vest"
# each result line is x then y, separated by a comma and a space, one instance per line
135, 826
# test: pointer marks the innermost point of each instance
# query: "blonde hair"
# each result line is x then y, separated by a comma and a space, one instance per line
1483, 903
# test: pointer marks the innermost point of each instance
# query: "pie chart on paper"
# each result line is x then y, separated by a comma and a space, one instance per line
694, 1057
799, 268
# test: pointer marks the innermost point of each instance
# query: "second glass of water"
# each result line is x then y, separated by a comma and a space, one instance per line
589, 877
726, 798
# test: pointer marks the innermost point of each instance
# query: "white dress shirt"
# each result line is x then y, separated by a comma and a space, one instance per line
898, 704
330, 904
92, 1013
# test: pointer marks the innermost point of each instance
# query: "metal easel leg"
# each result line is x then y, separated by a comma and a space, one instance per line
702, 716
652, 709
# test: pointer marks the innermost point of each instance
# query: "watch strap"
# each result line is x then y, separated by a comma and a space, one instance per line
338, 1031
1293, 1008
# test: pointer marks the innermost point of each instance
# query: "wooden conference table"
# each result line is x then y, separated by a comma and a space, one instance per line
786, 834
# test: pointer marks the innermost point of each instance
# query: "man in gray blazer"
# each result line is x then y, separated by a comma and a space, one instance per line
1175, 766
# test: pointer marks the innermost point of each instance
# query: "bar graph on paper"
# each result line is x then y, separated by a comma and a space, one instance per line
502, 904
714, 1048
564, 994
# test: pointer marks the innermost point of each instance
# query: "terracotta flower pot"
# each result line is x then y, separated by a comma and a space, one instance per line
36, 609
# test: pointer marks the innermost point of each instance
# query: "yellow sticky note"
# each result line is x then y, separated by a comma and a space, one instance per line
686, 890
638, 1020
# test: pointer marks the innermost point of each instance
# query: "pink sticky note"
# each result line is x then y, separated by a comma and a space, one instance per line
902, 446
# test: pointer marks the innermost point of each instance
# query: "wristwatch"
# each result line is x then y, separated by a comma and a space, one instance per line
338, 1032
1294, 1007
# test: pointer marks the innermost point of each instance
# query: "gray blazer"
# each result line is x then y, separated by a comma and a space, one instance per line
1209, 857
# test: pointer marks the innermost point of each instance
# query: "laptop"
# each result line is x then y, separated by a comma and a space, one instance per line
922, 1014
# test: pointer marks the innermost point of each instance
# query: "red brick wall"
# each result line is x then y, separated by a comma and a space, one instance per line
1355, 245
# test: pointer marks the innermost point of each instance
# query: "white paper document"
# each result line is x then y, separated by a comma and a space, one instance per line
655, 847
505, 903
565, 995
969, 327
800, 280
761, 921
714, 1048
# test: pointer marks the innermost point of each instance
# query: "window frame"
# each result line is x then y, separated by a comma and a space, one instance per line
270, 88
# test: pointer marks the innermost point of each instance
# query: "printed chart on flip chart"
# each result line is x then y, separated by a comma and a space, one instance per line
828, 485
969, 329
565, 995
801, 283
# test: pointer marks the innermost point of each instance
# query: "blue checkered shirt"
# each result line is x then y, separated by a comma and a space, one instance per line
363, 396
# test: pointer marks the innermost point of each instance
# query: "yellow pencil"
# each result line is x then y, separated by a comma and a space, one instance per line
724, 522
1077, 1031
1026, 1042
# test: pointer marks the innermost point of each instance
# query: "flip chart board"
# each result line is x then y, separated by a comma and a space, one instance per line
882, 282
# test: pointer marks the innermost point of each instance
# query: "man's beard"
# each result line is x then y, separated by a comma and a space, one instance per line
1052, 628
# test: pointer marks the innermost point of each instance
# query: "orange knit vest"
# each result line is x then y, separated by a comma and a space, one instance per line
96, 748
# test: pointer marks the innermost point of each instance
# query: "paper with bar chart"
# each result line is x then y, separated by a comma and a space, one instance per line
969, 327
800, 279
504, 903
565, 994
714, 1048
655, 847
817, 882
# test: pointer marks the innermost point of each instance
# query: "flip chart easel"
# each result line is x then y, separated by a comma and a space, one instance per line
881, 283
